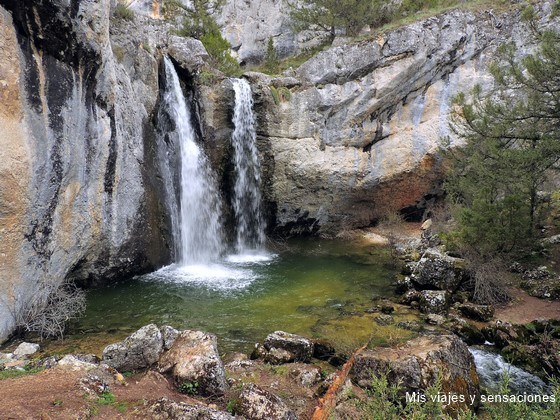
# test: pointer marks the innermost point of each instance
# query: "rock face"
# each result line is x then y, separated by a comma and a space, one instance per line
437, 271
248, 25
81, 190
255, 403
194, 358
417, 364
360, 136
138, 351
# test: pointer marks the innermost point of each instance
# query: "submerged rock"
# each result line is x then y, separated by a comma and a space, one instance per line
255, 403
385, 319
417, 364
138, 351
194, 359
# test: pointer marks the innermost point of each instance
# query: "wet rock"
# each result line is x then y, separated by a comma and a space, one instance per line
168, 334
417, 364
24, 350
138, 351
502, 334
194, 358
439, 271
165, 409
434, 319
469, 333
385, 320
482, 313
255, 403
433, 301
300, 347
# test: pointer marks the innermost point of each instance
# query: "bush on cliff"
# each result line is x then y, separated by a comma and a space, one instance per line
199, 23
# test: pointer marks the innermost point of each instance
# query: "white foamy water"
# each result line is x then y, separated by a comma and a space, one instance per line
211, 276
491, 367
250, 225
249, 258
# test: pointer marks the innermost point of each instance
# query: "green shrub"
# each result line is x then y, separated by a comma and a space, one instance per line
189, 388
123, 12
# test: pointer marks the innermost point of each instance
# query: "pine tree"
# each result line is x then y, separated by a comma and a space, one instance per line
512, 136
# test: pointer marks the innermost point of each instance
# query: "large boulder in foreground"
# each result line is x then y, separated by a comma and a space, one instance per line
417, 364
138, 351
437, 271
255, 403
193, 358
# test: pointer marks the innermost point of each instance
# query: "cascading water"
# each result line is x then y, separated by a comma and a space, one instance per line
491, 367
198, 229
195, 215
250, 225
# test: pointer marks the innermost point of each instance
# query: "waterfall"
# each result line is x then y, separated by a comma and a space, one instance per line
197, 228
247, 190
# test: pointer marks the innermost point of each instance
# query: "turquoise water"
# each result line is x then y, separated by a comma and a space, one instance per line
316, 288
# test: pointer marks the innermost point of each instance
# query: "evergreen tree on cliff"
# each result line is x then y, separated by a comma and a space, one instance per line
331, 15
512, 136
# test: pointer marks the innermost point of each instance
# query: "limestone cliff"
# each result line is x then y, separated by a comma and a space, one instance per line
81, 194
355, 132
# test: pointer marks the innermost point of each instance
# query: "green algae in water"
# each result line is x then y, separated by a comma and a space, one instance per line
309, 289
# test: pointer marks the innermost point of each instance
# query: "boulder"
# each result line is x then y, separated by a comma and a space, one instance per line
194, 358
433, 301
434, 319
410, 296
165, 409
300, 347
276, 356
438, 271
24, 350
255, 403
138, 351
188, 52
305, 375
417, 364
73, 363
168, 334
482, 313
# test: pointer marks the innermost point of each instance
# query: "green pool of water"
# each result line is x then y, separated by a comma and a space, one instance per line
316, 288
